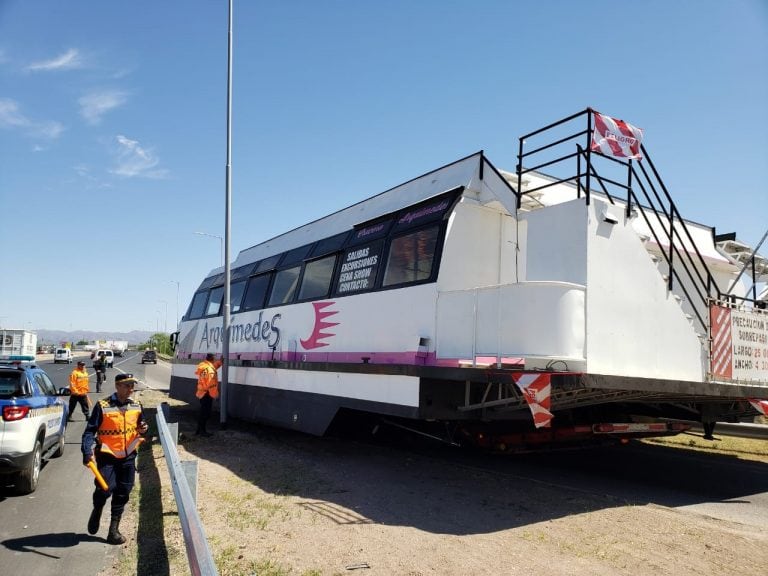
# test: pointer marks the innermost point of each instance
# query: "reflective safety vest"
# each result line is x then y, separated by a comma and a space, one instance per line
78, 382
118, 433
207, 379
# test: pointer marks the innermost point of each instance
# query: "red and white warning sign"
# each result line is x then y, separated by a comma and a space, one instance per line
739, 344
536, 389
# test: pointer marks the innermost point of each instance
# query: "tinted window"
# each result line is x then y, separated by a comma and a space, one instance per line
198, 305
46, 386
235, 296
214, 301
241, 272
329, 245
256, 293
268, 263
358, 268
212, 281
10, 385
295, 255
316, 282
410, 257
285, 286
427, 212
370, 231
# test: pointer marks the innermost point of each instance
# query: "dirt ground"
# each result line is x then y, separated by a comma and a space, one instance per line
273, 504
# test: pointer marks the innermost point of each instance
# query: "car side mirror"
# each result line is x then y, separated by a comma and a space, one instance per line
64, 392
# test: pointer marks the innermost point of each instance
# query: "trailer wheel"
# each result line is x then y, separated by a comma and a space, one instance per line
27, 481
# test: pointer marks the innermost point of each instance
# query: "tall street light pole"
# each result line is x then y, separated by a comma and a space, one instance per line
227, 221
177, 302
221, 240
165, 324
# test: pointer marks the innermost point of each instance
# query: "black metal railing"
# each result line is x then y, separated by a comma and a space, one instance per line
639, 185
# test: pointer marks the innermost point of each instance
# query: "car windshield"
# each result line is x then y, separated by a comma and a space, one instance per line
10, 385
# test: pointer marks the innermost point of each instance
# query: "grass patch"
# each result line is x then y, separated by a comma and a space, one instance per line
753, 449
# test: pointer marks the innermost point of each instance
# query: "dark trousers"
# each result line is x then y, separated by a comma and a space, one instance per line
206, 407
101, 376
120, 475
83, 401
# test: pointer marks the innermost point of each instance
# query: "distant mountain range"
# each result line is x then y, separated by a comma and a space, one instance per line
56, 336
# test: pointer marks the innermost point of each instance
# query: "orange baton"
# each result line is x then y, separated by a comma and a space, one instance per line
99, 478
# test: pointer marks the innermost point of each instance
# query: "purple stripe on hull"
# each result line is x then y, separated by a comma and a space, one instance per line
413, 357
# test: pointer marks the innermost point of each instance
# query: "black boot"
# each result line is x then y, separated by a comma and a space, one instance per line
114, 536
93, 521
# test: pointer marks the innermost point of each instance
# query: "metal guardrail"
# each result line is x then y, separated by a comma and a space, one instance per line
198, 553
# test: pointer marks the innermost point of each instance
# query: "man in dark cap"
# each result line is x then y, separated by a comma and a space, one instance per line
78, 389
112, 437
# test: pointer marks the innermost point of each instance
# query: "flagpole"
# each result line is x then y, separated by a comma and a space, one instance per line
227, 222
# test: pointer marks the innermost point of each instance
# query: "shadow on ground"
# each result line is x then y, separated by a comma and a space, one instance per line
152, 553
452, 491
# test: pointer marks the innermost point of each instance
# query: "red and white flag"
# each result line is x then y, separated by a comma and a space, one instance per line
759, 405
616, 138
536, 389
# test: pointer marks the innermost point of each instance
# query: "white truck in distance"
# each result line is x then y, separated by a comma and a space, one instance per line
117, 346
17, 345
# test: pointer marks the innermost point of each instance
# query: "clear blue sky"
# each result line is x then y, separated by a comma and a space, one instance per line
113, 123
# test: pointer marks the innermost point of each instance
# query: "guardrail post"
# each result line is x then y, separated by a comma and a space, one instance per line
198, 552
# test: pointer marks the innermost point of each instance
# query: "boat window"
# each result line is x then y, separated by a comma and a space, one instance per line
370, 231
241, 272
411, 257
332, 244
236, 290
284, 286
358, 268
256, 294
268, 263
198, 305
214, 301
295, 256
426, 212
211, 281
316, 282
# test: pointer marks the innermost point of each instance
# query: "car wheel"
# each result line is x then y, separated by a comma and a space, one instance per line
60, 445
27, 482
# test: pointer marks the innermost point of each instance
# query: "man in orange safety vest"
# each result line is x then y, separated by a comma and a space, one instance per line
112, 437
78, 390
207, 390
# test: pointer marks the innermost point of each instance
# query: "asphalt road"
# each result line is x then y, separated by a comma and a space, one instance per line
44, 533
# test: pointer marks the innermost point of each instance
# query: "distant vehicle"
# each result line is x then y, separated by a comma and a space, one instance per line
33, 423
62, 355
17, 344
108, 355
149, 356
117, 346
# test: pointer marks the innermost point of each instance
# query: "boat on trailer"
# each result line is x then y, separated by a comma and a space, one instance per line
563, 301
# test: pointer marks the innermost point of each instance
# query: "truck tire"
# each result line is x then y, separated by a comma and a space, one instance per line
27, 480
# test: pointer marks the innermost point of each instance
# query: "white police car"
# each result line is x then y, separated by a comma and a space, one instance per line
33, 422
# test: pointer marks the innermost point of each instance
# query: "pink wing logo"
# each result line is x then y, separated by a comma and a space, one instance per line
318, 334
